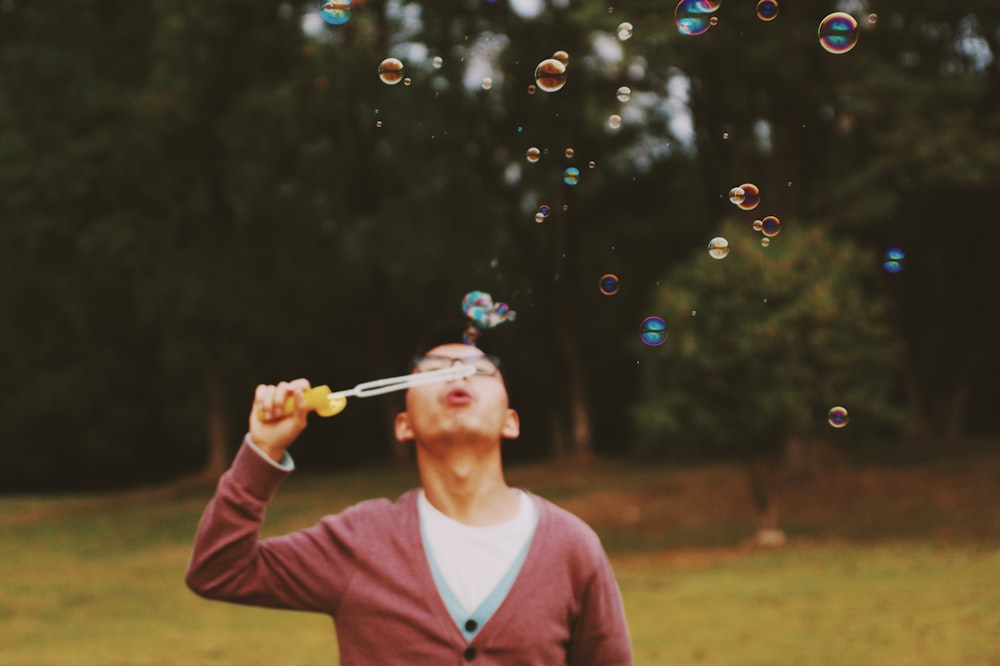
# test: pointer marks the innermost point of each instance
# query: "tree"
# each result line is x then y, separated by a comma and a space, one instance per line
760, 346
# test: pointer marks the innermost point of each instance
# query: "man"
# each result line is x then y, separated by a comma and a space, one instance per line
464, 569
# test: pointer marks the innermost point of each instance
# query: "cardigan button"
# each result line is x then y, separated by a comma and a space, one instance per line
470, 625
470, 653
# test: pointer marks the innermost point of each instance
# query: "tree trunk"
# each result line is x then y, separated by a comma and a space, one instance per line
217, 459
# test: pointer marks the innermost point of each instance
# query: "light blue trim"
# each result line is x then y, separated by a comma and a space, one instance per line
485, 611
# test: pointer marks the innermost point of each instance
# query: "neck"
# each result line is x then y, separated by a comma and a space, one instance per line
467, 484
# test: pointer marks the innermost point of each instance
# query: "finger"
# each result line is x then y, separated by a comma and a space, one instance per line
282, 392
263, 401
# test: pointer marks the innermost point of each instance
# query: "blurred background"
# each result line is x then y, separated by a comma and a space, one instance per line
748, 245
199, 197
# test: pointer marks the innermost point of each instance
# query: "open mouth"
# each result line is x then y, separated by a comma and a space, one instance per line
458, 396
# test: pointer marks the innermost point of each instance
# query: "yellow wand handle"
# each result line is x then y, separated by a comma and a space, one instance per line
319, 399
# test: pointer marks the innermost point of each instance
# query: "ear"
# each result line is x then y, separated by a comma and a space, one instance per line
404, 431
511, 425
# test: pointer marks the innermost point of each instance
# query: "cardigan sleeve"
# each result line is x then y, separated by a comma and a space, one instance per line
304, 570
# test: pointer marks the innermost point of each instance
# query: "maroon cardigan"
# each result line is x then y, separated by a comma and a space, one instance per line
367, 569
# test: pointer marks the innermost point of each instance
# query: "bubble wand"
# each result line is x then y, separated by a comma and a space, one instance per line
325, 402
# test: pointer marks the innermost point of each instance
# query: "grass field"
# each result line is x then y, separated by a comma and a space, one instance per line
885, 565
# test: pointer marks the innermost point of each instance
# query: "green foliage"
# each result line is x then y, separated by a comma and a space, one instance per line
761, 344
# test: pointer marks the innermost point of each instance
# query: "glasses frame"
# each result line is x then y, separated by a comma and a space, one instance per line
465, 360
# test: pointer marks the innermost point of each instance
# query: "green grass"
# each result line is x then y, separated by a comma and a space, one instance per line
885, 565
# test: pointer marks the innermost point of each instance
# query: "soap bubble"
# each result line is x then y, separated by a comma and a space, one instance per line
533, 154
624, 94
609, 284
736, 195
550, 75
750, 198
571, 176
437, 62
614, 121
390, 71
653, 331
540, 217
487, 83
770, 226
758, 225
767, 10
718, 248
561, 56
336, 12
569, 153
764, 242
624, 30
545, 209
892, 260
838, 32
837, 417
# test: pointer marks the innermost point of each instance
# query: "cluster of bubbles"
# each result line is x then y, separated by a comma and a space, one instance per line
609, 284
892, 260
543, 212
745, 196
769, 226
837, 417
653, 331
479, 307
695, 17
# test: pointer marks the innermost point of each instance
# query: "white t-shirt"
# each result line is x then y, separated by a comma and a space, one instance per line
473, 559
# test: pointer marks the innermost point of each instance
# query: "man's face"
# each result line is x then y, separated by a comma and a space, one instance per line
470, 408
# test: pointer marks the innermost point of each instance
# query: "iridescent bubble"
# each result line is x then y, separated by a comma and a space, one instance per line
561, 56
693, 16
335, 12
550, 75
892, 260
764, 242
570, 152
487, 83
718, 248
614, 121
591, 164
544, 209
531, 88
837, 417
751, 196
390, 71
539, 217
533, 154
624, 30
653, 331
770, 226
437, 62
571, 176
624, 94
757, 225
736, 196
838, 32
407, 81
609, 284
767, 10
873, 18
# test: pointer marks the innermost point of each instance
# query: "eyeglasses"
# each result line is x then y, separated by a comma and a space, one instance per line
484, 365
